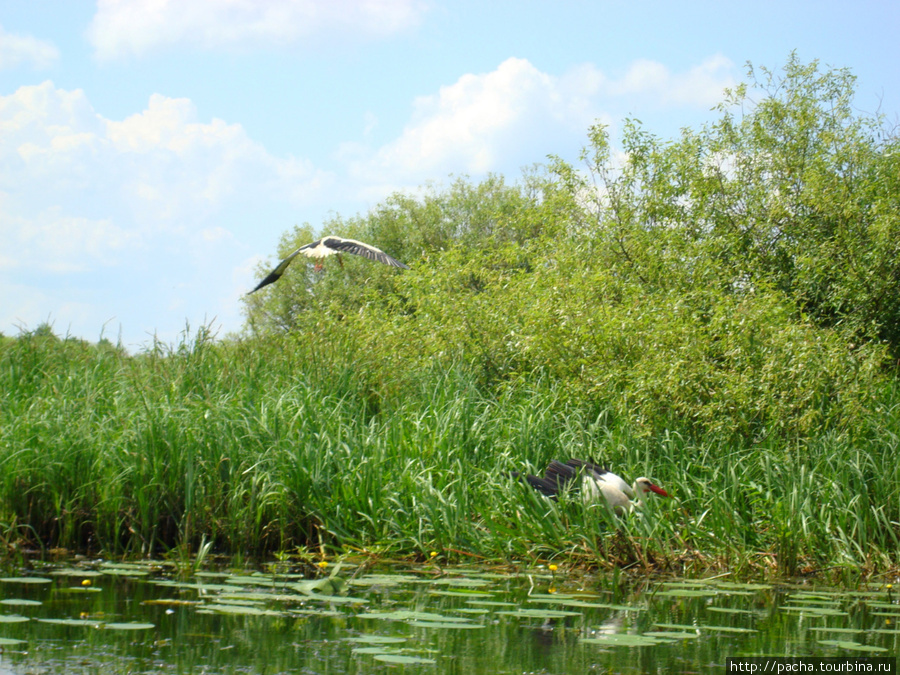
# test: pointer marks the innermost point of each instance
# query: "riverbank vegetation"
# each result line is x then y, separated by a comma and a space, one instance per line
720, 311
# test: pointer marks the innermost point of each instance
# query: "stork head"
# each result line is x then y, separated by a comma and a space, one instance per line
644, 485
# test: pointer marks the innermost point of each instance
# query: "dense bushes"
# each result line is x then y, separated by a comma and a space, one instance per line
741, 280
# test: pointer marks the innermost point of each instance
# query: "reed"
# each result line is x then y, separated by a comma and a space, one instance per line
269, 446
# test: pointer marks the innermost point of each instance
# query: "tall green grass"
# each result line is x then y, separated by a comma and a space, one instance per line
266, 446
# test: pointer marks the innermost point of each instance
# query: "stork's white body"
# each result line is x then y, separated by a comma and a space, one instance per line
327, 246
596, 484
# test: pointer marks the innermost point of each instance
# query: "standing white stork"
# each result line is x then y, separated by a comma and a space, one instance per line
327, 246
596, 482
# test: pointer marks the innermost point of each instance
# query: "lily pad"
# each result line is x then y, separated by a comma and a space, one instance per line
729, 629
133, 625
443, 624
624, 640
400, 658
246, 610
9, 642
20, 601
852, 646
730, 610
673, 634
27, 580
539, 613
813, 610
69, 622
376, 639
688, 592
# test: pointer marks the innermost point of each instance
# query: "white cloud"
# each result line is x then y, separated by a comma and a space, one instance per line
159, 167
517, 114
128, 218
18, 50
134, 27
125, 218
651, 81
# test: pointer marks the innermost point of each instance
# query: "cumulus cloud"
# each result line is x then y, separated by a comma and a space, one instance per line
105, 186
134, 27
16, 50
137, 215
517, 114
651, 81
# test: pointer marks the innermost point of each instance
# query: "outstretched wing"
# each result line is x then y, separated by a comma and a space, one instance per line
359, 248
275, 274
329, 246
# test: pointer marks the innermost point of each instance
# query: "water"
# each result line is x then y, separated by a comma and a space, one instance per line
142, 618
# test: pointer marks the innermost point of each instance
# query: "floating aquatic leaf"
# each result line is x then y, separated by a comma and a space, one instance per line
853, 646
676, 626
730, 585
20, 601
400, 658
443, 624
315, 611
247, 610
688, 592
596, 605
382, 580
9, 642
539, 613
673, 634
491, 603
729, 629
70, 622
829, 629
133, 625
473, 583
625, 640
550, 597
334, 599
730, 610
884, 605
813, 610
374, 650
376, 639
27, 580
173, 602
222, 600
13, 618
461, 594
405, 615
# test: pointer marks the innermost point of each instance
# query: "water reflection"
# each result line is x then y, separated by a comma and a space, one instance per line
140, 619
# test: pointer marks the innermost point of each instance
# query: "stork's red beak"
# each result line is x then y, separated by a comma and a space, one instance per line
658, 490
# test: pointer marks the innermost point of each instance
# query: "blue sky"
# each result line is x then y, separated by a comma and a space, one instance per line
152, 152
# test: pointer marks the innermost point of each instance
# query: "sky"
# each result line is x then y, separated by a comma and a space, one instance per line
153, 152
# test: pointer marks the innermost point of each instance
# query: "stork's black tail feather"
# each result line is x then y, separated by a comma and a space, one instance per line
559, 476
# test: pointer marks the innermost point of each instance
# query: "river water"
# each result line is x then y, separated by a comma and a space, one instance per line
148, 618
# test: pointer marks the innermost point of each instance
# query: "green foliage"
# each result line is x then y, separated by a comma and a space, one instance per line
263, 446
719, 311
739, 281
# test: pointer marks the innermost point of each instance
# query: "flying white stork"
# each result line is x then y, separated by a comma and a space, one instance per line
327, 246
595, 482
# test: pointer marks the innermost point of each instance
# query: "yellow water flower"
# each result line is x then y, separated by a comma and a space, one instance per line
552, 567
86, 582
433, 554
322, 564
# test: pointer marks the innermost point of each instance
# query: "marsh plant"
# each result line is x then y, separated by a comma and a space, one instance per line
719, 311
